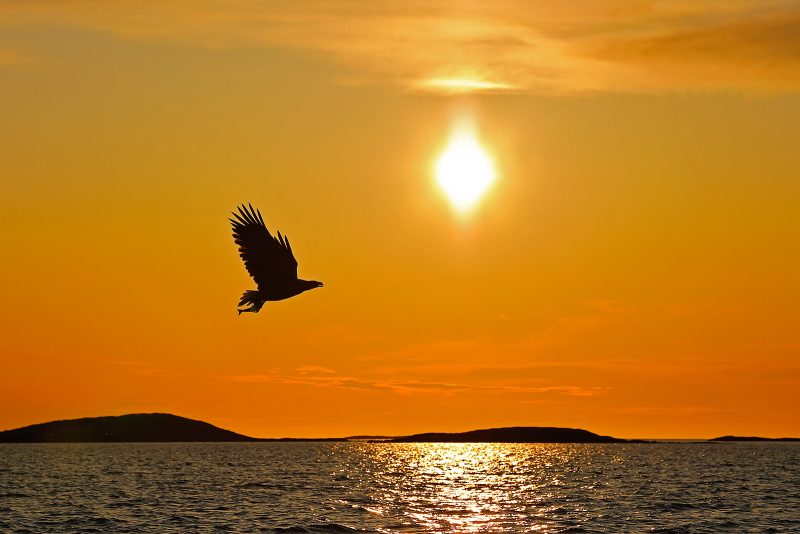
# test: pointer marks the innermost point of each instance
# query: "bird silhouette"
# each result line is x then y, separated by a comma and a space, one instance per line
268, 259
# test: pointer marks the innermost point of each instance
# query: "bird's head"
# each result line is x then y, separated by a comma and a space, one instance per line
309, 284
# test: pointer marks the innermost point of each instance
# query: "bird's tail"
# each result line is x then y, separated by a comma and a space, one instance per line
251, 298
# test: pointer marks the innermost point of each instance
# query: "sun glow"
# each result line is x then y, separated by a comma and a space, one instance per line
464, 170
463, 85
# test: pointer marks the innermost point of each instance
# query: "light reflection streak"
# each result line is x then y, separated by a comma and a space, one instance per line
474, 487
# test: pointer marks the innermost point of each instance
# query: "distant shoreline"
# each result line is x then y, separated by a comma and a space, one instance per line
168, 428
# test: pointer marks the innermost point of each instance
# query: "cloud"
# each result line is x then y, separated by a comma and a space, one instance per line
329, 380
313, 369
567, 340
518, 366
503, 46
752, 51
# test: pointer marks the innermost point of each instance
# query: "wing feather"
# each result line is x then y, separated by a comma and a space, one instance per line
269, 260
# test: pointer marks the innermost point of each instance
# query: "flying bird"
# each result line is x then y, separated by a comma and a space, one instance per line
268, 259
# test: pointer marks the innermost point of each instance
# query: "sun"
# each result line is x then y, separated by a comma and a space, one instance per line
464, 170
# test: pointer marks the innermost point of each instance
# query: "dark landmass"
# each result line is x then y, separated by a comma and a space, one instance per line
517, 434
751, 438
163, 427
131, 428
140, 427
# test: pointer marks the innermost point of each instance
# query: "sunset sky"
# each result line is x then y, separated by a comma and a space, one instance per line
634, 268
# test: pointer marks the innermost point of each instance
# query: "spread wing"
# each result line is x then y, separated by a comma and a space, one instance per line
267, 258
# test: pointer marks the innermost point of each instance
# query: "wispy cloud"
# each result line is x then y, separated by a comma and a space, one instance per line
508, 45
538, 345
329, 380
313, 369
749, 49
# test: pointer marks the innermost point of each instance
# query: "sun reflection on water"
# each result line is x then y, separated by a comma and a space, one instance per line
472, 487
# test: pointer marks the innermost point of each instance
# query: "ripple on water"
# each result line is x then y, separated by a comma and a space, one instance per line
366, 487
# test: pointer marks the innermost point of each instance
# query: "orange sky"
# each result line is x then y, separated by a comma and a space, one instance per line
633, 270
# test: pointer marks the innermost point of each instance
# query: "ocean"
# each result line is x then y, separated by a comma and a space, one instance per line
375, 487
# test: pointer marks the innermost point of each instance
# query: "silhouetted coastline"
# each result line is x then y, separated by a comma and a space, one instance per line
164, 427
751, 438
149, 427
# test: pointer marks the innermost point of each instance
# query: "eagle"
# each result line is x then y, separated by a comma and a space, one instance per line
268, 259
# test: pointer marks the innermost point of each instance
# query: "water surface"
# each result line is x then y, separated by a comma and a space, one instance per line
343, 487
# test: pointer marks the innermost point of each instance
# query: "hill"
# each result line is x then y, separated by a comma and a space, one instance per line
517, 434
751, 438
141, 427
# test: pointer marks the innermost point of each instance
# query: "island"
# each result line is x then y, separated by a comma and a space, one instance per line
140, 427
516, 434
165, 427
751, 438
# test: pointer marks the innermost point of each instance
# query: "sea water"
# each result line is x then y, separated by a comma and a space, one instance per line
378, 487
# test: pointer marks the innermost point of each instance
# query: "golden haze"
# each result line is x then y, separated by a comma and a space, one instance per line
632, 271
